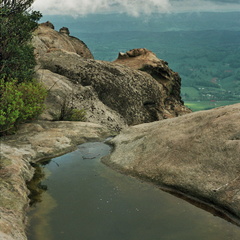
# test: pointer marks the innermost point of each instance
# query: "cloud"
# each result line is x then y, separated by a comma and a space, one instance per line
83, 7
205, 5
225, 1
131, 7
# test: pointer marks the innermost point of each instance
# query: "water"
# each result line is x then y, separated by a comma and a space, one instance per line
87, 200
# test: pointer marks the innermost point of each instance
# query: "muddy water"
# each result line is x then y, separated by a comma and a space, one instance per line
86, 200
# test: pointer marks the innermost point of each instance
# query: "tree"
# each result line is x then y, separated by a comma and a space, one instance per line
16, 53
15, 6
21, 97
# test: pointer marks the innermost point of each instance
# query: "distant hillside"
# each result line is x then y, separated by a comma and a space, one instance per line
156, 22
202, 47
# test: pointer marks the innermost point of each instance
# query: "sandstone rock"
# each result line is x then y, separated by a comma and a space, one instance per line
4, 236
132, 95
79, 97
64, 30
33, 142
111, 93
145, 60
46, 39
196, 154
47, 24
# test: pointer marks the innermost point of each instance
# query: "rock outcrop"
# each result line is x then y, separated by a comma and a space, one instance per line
135, 96
196, 154
46, 39
112, 94
33, 142
79, 97
145, 60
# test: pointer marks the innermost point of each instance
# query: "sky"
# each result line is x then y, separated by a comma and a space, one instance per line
132, 7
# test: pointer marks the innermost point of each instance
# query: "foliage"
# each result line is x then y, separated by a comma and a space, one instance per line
16, 6
11, 104
69, 113
21, 98
19, 103
78, 115
16, 53
33, 97
35, 185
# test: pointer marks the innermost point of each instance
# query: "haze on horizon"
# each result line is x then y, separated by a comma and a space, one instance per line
132, 7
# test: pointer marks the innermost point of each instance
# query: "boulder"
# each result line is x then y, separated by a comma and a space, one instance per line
46, 39
61, 89
64, 30
136, 88
196, 154
47, 24
145, 60
133, 96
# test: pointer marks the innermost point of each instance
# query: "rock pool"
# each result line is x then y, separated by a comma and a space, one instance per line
87, 200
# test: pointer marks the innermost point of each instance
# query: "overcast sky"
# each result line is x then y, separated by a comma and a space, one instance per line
132, 7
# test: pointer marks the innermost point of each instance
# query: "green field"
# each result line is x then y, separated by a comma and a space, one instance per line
190, 93
205, 105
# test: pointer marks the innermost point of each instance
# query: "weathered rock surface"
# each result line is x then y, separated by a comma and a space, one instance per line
33, 142
79, 97
145, 60
197, 154
131, 95
46, 39
114, 94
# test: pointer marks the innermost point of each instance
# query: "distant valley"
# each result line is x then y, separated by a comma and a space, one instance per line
204, 48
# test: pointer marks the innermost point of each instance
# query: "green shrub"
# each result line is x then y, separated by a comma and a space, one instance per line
33, 97
78, 115
19, 103
11, 104
69, 113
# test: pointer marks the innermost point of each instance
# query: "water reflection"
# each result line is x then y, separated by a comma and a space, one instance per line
93, 202
35, 186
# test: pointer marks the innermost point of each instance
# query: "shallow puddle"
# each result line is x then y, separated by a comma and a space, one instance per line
85, 200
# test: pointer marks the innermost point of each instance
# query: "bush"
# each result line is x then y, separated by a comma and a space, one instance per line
11, 104
33, 97
78, 115
19, 103
69, 113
